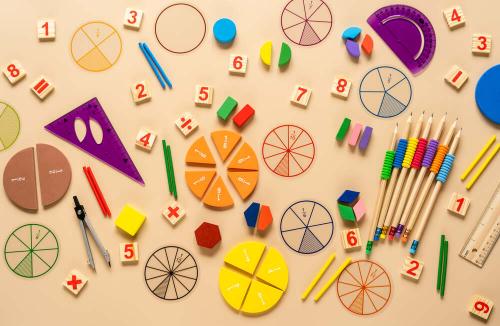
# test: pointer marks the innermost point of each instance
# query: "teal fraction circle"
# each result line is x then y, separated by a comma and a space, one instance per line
224, 30
488, 94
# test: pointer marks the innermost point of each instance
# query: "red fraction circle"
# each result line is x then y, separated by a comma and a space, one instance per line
288, 150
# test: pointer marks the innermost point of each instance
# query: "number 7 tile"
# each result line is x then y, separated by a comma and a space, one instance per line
301, 95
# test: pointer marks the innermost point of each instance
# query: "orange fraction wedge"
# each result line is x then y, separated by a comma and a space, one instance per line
218, 196
244, 181
245, 159
225, 141
198, 181
199, 154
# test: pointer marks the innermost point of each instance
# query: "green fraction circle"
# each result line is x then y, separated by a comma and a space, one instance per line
31, 250
10, 126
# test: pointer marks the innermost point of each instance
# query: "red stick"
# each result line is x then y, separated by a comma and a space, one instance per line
89, 179
99, 192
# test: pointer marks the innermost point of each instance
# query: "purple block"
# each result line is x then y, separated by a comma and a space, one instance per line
352, 48
365, 138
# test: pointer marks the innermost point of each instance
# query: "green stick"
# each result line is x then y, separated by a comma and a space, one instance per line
174, 185
440, 265
445, 265
165, 156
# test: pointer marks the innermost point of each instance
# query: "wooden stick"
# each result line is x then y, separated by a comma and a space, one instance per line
174, 185
478, 157
99, 201
165, 157
332, 279
444, 267
318, 277
440, 263
483, 167
99, 192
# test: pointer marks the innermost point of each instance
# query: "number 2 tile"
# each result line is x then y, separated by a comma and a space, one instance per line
458, 204
140, 92
412, 268
301, 95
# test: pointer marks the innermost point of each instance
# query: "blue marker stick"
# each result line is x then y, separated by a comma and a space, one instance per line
146, 47
152, 65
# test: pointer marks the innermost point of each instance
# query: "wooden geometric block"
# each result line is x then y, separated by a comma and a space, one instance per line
203, 95
238, 64
46, 29
14, 72
454, 17
145, 139
456, 77
481, 44
129, 253
42, 87
351, 239
412, 268
140, 92
133, 18
480, 306
301, 95
174, 213
186, 123
75, 282
458, 204
341, 87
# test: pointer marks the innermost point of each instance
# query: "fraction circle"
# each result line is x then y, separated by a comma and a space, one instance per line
31, 250
488, 94
171, 273
306, 22
10, 124
364, 287
306, 227
180, 28
96, 46
288, 150
385, 91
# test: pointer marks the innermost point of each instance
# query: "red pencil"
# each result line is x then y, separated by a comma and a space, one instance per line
99, 192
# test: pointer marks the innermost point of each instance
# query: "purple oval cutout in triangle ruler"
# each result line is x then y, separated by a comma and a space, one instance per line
110, 150
408, 33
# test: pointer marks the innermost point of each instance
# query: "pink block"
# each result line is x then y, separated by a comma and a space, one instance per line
359, 209
354, 135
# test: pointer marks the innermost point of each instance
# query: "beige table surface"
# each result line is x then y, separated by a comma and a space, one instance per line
119, 295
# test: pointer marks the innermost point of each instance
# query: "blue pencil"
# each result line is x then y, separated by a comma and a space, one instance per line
152, 65
151, 55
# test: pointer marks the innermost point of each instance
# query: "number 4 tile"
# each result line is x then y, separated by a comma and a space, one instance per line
14, 72
140, 92
133, 18
412, 268
456, 77
454, 17
301, 95
145, 139
341, 87
458, 204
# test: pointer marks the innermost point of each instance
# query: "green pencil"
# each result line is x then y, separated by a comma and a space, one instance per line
165, 156
445, 265
440, 265
174, 185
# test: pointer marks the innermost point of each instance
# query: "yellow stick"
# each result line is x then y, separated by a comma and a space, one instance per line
478, 157
332, 279
483, 167
318, 277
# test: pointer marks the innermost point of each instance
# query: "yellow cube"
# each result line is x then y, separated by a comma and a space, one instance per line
130, 220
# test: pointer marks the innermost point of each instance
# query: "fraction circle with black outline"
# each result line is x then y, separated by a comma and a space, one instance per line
364, 287
180, 28
171, 273
306, 227
306, 22
385, 91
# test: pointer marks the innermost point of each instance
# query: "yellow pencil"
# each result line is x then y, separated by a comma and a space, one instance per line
483, 167
332, 279
318, 277
478, 157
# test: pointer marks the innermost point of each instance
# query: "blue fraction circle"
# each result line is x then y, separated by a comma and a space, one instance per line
488, 94
224, 30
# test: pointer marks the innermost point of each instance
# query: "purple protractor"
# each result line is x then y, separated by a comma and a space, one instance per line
111, 150
408, 33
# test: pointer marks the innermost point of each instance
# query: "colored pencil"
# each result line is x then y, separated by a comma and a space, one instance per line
152, 65
332, 279
440, 263
478, 157
483, 167
318, 277
160, 68
444, 268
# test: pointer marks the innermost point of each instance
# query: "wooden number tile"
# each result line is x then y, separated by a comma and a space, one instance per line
140, 92
42, 87
186, 123
238, 64
75, 282
14, 72
133, 18
456, 77
351, 239
174, 213
412, 268
301, 95
480, 306
341, 87
454, 17
459, 204
481, 44
46, 29
129, 253
204, 95
145, 139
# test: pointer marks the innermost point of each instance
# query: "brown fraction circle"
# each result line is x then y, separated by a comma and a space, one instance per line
182, 23
94, 52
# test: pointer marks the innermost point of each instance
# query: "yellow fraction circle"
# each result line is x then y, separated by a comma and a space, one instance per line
96, 46
10, 125
253, 280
